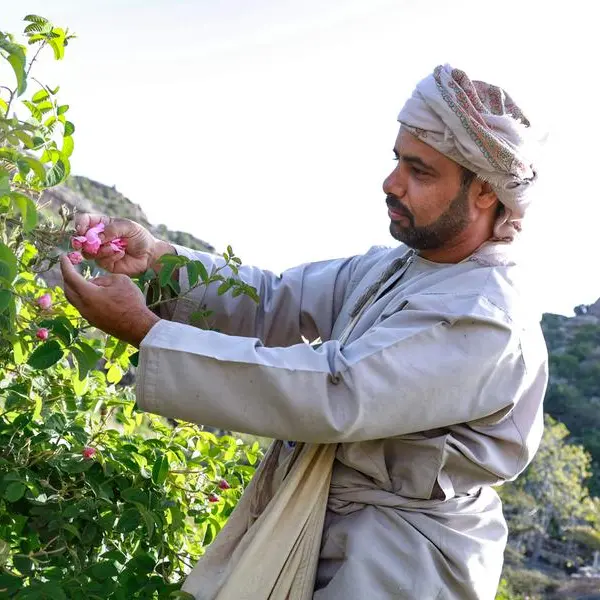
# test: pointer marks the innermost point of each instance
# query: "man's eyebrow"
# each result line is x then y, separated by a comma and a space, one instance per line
415, 160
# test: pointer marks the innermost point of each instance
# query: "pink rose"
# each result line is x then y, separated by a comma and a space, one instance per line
88, 452
118, 245
45, 301
90, 242
213, 498
42, 334
223, 485
75, 257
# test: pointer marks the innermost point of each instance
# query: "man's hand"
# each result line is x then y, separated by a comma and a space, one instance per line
142, 249
112, 303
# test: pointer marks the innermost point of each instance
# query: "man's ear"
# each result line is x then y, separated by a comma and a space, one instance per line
485, 196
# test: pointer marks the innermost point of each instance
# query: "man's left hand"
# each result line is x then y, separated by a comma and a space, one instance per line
112, 303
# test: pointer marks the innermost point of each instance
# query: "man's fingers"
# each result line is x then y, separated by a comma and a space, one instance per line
110, 262
73, 279
103, 280
84, 221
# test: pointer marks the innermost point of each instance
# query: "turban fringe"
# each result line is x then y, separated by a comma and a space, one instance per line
480, 127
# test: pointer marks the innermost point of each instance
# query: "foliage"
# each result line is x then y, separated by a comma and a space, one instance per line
505, 592
526, 583
551, 495
573, 394
97, 500
556, 478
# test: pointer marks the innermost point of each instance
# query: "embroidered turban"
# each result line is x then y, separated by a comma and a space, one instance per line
480, 127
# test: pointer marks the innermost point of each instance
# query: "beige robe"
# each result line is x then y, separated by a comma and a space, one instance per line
435, 396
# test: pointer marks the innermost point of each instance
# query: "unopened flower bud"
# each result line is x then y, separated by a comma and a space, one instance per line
42, 334
88, 452
45, 301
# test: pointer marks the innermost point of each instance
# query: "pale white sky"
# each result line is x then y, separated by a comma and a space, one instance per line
269, 124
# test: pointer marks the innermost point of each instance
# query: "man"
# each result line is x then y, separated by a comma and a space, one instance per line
428, 384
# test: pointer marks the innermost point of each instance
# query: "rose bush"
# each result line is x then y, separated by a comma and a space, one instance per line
97, 500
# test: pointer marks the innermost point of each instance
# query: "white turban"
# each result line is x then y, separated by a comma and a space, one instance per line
480, 127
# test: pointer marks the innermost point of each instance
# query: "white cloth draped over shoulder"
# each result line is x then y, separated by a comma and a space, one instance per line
405, 415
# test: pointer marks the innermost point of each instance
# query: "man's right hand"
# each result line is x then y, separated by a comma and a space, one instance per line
142, 248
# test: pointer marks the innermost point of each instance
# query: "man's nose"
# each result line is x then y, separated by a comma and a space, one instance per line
395, 183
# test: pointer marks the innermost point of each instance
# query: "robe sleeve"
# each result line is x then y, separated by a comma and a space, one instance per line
420, 368
303, 301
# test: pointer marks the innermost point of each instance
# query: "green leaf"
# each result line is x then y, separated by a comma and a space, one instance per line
192, 273
129, 520
71, 529
19, 350
179, 595
115, 374
25, 138
68, 146
33, 109
39, 96
87, 357
35, 19
115, 556
36, 166
134, 359
160, 470
69, 129
119, 350
62, 109
15, 491
27, 208
57, 173
61, 327
58, 47
224, 287
46, 355
148, 520
4, 184
5, 298
166, 273
8, 264
103, 570
18, 62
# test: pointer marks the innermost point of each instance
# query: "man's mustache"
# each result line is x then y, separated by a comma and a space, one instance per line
394, 203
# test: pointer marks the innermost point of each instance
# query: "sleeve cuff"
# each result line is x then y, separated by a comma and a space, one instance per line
146, 381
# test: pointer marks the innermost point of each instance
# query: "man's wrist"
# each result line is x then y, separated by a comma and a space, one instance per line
160, 249
143, 324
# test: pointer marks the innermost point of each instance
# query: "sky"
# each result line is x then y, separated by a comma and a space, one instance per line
269, 124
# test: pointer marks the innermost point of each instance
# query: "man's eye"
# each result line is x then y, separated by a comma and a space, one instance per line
419, 171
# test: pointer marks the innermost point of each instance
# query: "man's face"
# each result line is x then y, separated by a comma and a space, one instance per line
427, 202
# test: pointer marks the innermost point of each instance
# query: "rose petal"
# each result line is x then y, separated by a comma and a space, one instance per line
92, 246
118, 245
96, 229
45, 301
77, 242
75, 257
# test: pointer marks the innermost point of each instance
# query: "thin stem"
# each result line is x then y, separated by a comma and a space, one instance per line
10, 99
42, 45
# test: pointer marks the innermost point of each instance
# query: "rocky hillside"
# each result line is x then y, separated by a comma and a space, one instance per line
573, 395
87, 195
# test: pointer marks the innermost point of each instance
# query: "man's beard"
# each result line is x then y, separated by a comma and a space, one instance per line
434, 236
